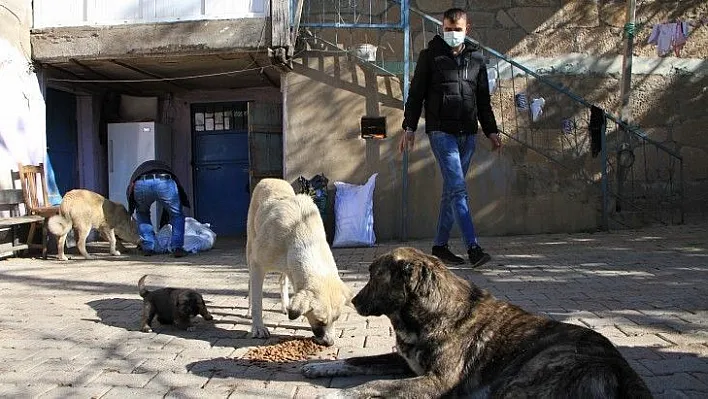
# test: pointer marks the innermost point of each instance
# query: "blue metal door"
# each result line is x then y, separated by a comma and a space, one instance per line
62, 142
221, 179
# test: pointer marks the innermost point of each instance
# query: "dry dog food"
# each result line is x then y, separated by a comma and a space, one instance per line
290, 350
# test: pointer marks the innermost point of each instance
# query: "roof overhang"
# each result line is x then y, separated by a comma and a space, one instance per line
160, 57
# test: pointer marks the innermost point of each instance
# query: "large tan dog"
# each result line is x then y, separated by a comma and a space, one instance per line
83, 210
286, 235
456, 340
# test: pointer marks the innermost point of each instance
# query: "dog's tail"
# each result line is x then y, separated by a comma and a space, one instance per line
141, 286
59, 225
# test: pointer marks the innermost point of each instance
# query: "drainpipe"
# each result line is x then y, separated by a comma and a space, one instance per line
405, 21
626, 111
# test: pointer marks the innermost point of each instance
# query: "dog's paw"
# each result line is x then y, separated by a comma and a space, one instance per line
64, 258
146, 329
260, 332
332, 368
115, 253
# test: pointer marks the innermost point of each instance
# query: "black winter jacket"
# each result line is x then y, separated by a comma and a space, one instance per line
153, 166
455, 96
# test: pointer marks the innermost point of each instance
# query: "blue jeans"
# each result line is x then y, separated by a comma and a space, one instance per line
454, 154
165, 191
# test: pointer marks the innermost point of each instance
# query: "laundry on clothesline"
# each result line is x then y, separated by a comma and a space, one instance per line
669, 36
537, 108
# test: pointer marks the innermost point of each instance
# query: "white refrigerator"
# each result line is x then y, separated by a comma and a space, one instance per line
129, 145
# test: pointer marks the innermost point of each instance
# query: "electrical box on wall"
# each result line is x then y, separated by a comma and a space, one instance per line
373, 127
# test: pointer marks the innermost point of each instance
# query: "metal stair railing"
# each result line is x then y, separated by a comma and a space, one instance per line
652, 185
640, 179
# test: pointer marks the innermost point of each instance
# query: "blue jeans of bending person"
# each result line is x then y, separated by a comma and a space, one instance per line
165, 191
454, 154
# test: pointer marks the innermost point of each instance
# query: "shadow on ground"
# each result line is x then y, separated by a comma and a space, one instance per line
126, 313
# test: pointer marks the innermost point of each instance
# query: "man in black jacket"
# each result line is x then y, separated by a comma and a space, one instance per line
451, 80
154, 181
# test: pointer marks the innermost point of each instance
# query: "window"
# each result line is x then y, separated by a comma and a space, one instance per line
219, 117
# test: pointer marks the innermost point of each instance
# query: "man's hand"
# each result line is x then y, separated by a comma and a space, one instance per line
407, 140
496, 141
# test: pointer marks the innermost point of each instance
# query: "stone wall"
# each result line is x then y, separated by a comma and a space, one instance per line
555, 27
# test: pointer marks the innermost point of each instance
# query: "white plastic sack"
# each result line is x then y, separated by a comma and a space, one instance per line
198, 237
354, 214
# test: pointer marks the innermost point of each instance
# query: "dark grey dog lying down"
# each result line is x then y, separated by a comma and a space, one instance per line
171, 305
456, 340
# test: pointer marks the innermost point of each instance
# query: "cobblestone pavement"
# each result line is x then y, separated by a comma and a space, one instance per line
70, 329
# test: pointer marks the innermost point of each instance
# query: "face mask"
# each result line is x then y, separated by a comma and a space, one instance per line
454, 38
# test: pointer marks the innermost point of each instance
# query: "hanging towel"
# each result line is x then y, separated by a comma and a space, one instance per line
680, 37
597, 126
669, 36
662, 35
537, 108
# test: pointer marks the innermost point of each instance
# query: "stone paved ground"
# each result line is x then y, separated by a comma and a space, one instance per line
70, 329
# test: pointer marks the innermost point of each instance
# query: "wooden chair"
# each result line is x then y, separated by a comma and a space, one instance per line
34, 189
10, 200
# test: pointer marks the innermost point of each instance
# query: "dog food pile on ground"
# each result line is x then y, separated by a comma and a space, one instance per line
290, 350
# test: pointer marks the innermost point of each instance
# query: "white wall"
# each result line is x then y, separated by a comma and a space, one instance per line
22, 113
55, 13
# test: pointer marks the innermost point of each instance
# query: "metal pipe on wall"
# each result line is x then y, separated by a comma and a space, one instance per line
626, 111
405, 21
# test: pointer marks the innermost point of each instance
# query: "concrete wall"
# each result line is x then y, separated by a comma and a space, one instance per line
322, 135
512, 192
517, 190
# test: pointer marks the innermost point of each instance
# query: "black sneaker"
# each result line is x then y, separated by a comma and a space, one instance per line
180, 252
445, 255
477, 256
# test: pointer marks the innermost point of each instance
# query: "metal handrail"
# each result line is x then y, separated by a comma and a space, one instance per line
548, 82
631, 132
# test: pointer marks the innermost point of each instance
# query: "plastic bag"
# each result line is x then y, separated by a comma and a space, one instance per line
198, 237
317, 189
354, 214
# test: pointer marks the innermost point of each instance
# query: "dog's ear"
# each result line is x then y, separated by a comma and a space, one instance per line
300, 304
404, 259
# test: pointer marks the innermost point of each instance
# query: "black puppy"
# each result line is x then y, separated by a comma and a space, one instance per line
171, 305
